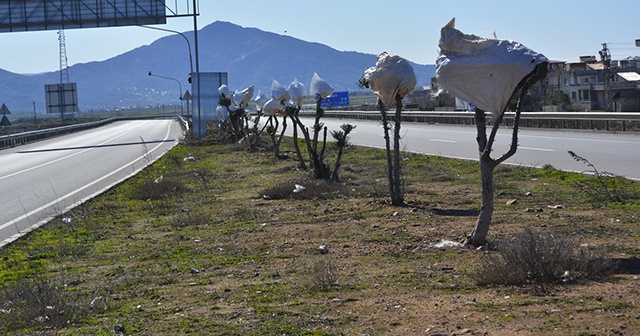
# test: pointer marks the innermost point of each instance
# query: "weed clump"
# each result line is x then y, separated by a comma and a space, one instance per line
316, 189
541, 258
30, 302
604, 186
323, 275
159, 188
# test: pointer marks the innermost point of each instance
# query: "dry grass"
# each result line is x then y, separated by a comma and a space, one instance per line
217, 258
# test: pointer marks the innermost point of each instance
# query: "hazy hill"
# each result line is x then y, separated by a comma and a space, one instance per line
250, 57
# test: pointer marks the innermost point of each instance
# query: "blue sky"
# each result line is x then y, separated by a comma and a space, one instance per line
560, 29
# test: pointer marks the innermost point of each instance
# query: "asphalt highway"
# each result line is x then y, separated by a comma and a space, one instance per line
615, 153
43, 179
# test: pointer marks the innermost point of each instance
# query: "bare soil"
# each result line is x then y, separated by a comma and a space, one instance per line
238, 253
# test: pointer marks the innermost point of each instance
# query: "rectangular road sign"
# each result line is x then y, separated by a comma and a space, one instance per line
28, 15
61, 98
337, 99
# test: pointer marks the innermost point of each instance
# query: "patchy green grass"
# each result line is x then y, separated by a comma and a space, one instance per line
203, 251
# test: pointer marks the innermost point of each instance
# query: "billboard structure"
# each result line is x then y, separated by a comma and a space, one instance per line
61, 98
204, 106
28, 15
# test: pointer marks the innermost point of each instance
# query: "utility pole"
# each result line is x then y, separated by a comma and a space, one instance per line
35, 116
605, 55
64, 73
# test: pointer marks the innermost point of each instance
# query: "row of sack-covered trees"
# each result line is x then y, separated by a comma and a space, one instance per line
274, 115
489, 73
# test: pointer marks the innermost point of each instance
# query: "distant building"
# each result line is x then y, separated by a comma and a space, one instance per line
584, 82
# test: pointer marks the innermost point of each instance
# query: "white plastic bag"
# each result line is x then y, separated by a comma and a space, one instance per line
482, 71
261, 99
297, 92
243, 97
223, 90
273, 107
278, 92
221, 113
392, 76
319, 87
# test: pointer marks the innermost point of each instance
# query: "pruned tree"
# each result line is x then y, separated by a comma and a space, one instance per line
488, 164
488, 73
391, 80
342, 140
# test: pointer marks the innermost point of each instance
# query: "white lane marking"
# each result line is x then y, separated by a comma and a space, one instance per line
442, 140
59, 199
538, 149
62, 158
568, 138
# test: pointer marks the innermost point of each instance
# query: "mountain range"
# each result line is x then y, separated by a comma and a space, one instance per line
250, 56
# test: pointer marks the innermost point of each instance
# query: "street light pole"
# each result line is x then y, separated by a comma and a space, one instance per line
179, 85
183, 36
195, 39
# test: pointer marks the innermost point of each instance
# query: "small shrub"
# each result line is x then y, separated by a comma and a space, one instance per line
173, 157
603, 186
316, 189
539, 258
29, 302
323, 274
158, 188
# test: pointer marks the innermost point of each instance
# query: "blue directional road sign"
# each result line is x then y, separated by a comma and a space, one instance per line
339, 98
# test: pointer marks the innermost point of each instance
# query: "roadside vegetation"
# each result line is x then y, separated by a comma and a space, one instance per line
215, 240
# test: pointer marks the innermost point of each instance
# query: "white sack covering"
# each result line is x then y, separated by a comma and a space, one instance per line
261, 99
273, 107
221, 113
278, 92
318, 86
482, 71
297, 92
243, 97
392, 76
223, 90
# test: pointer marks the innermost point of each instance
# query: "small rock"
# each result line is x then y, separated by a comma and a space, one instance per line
323, 249
266, 197
513, 201
119, 330
189, 158
195, 271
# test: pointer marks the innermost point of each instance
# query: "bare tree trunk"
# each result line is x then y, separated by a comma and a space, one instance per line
479, 235
487, 165
398, 195
303, 165
485, 145
387, 142
393, 161
276, 147
316, 124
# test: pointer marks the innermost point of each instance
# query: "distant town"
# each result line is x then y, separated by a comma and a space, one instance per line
591, 84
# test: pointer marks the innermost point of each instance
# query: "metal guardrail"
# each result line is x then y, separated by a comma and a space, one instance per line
610, 121
18, 139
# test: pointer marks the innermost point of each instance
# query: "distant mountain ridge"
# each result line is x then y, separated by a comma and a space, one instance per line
250, 56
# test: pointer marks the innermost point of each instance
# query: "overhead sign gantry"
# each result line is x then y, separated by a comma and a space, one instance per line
30, 15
